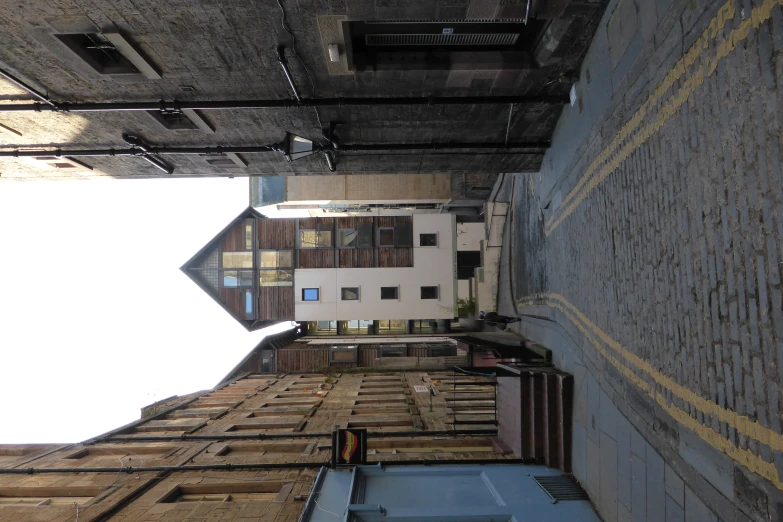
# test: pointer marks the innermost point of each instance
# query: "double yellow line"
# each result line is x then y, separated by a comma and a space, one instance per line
646, 377
633, 134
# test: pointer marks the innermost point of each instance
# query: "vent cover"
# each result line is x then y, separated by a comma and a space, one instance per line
474, 39
561, 487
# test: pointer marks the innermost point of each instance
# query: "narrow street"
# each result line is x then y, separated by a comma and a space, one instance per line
647, 254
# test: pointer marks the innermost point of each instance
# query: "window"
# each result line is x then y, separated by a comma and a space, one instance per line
394, 350
404, 234
310, 294
349, 294
237, 259
47, 496
385, 237
276, 258
442, 350
390, 292
237, 278
249, 308
309, 238
428, 240
276, 277
347, 237
228, 492
343, 354
365, 235
249, 234
98, 52
429, 292
173, 120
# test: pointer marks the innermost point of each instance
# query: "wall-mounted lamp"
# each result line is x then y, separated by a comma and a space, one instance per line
334, 53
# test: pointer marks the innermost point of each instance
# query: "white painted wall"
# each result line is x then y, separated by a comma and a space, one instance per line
431, 266
469, 236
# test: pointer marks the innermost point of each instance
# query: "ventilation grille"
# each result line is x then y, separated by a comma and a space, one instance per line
561, 487
474, 39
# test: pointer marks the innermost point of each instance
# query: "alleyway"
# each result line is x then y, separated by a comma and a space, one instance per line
647, 254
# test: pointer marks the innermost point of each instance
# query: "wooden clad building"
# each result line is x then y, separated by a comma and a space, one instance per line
263, 270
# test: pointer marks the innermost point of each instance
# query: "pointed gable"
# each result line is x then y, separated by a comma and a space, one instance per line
224, 269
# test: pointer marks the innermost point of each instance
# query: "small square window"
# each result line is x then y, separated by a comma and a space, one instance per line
428, 240
310, 294
429, 292
390, 292
349, 294
386, 237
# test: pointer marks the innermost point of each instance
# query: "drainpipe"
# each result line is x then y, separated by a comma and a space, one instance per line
147, 151
284, 64
19, 83
282, 104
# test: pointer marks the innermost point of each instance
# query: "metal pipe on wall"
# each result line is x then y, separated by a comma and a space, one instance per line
177, 105
19, 83
218, 150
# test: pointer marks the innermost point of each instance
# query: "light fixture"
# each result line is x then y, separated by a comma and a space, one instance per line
334, 53
295, 147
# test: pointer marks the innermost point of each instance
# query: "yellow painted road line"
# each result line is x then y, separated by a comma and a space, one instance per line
629, 139
618, 356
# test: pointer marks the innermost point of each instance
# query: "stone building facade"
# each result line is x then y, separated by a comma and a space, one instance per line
249, 450
190, 55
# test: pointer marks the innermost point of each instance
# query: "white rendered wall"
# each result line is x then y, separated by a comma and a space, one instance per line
469, 236
432, 266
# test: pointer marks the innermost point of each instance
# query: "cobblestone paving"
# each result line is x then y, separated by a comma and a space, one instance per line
668, 250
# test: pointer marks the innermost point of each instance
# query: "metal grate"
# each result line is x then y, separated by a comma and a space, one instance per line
472, 39
561, 487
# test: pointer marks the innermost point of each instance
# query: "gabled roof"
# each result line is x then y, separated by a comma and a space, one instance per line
203, 269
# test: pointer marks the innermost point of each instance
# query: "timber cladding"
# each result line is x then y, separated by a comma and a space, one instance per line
276, 302
234, 238
276, 234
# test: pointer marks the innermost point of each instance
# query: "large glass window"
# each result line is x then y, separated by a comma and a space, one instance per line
237, 259
309, 238
237, 278
347, 237
385, 237
272, 277
276, 258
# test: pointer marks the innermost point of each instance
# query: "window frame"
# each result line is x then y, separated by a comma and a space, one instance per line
318, 233
351, 289
396, 293
380, 234
433, 235
318, 295
340, 238
384, 348
437, 293
343, 348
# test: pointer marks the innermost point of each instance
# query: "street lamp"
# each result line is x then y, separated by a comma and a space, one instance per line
295, 147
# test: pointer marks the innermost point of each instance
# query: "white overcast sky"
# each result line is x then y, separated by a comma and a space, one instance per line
96, 319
